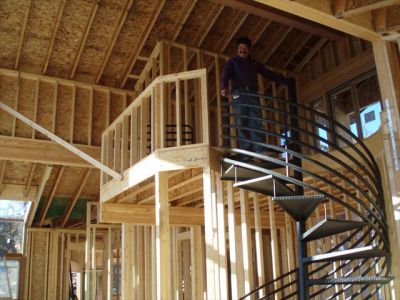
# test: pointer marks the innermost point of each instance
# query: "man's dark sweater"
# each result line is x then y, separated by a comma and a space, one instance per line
243, 73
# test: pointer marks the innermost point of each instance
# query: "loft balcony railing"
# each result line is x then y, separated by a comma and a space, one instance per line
161, 116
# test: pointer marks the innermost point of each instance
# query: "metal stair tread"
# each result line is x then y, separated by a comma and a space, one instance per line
351, 280
233, 172
267, 185
300, 206
329, 227
356, 253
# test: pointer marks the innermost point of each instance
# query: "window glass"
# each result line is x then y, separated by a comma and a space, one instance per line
368, 96
12, 218
9, 278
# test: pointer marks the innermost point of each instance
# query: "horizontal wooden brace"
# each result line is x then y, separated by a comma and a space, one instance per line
179, 216
45, 152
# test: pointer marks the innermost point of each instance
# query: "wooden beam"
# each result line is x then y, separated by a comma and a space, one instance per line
163, 244
53, 36
320, 12
143, 37
260, 10
21, 38
45, 152
93, 11
369, 7
141, 214
207, 25
75, 197
49, 199
63, 143
128, 261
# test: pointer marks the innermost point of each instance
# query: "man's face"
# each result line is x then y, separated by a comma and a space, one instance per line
243, 51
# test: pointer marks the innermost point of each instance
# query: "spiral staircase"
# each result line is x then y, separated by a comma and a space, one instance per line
342, 171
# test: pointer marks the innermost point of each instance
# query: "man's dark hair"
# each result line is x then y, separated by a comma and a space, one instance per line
243, 40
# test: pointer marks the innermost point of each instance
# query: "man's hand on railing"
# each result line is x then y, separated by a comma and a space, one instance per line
224, 92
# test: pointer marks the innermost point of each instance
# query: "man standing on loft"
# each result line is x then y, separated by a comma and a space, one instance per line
242, 70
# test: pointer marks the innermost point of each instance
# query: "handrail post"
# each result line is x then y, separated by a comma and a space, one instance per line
302, 253
204, 109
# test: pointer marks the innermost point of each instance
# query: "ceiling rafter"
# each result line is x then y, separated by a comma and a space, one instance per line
268, 52
49, 199
310, 54
143, 37
259, 10
256, 34
186, 11
370, 7
239, 19
298, 48
208, 24
75, 197
53, 36
21, 38
110, 47
42, 184
93, 11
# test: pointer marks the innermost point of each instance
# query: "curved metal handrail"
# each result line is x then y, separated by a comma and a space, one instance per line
360, 185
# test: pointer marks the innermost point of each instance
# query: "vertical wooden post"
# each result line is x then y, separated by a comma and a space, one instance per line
127, 261
218, 94
178, 114
246, 242
209, 200
259, 244
220, 213
140, 262
197, 263
232, 242
163, 239
186, 268
276, 270
204, 111
147, 262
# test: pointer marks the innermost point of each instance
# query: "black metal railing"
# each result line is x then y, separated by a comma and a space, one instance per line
348, 176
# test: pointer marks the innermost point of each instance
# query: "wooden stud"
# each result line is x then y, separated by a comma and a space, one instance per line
246, 242
35, 108
16, 100
163, 236
274, 247
22, 35
220, 213
232, 242
127, 262
125, 144
134, 150
178, 114
209, 199
71, 126
90, 116
259, 243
